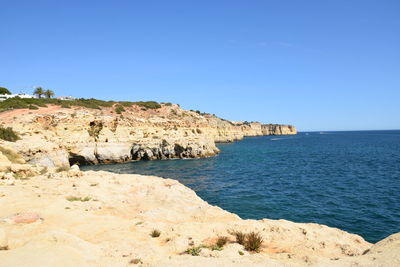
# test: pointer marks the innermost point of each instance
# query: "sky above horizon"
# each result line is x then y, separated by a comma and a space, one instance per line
319, 65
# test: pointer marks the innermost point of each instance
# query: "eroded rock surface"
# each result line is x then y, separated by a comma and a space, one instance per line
105, 219
60, 216
57, 137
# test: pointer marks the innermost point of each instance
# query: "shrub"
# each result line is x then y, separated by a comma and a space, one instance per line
12, 103
44, 170
85, 199
23, 176
253, 242
221, 241
86, 103
65, 105
136, 261
240, 237
8, 134
126, 103
32, 107
4, 91
215, 247
155, 233
148, 104
194, 251
62, 169
119, 109
41, 104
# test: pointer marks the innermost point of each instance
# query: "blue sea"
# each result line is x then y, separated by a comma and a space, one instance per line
348, 180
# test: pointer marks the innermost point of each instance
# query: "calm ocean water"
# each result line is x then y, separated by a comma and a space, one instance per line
348, 180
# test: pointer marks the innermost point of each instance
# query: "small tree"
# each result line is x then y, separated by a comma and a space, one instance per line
4, 91
48, 93
39, 92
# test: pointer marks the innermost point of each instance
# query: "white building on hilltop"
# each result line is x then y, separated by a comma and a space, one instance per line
4, 97
66, 98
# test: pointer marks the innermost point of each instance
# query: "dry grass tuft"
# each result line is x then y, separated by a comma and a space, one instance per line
253, 241
221, 241
72, 198
155, 233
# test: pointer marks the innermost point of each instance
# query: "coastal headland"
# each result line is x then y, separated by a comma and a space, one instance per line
52, 214
54, 136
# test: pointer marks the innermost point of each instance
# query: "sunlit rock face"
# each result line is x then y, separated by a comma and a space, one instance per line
75, 218
55, 136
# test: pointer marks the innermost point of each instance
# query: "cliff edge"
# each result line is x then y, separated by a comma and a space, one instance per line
55, 136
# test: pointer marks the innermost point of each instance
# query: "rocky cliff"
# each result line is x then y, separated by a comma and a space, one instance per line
64, 217
55, 136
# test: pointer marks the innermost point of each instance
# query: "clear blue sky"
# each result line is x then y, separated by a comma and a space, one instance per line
320, 65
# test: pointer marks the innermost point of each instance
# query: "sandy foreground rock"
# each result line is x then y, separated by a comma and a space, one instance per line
75, 218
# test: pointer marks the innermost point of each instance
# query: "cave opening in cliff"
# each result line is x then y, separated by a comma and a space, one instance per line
78, 160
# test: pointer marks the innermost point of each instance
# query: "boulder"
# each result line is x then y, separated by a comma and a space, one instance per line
58, 158
113, 152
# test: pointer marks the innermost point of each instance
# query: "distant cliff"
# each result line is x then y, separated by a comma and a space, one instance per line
55, 136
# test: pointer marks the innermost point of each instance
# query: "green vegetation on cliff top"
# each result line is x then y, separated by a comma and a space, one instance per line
4, 91
31, 103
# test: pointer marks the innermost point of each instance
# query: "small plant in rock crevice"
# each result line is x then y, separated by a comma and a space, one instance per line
155, 233
253, 241
194, 251
136, 261
72, 198
63, 169
119, 109
240, 237
221, 241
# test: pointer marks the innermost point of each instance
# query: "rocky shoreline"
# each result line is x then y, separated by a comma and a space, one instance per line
50, 217
52, 214
55, 136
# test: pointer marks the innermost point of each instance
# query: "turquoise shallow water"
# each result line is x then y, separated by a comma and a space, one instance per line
348, 180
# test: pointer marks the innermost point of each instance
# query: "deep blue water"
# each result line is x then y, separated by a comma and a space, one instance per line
348, 180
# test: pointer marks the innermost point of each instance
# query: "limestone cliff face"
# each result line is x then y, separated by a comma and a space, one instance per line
55, 136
